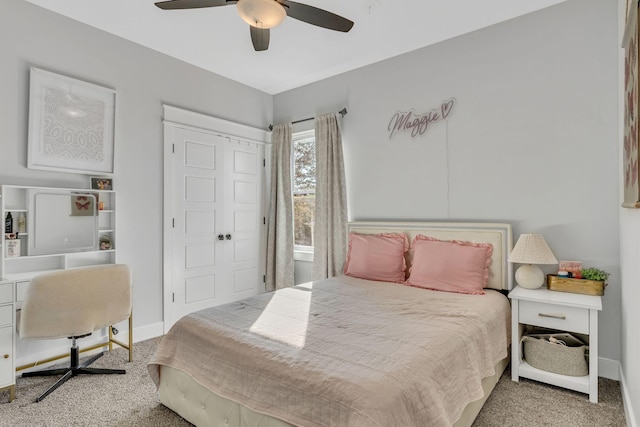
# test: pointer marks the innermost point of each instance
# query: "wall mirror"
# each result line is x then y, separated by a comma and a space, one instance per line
62, 221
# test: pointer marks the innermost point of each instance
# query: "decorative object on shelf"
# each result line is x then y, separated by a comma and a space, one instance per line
587, 281
22, 223
8, 223
576, 286
573, 268
84, 204
99, 183
71, 124
12, 244
593, 273
631, 123
529, 250
105, 243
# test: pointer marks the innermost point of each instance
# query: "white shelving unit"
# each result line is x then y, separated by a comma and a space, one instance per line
15, 199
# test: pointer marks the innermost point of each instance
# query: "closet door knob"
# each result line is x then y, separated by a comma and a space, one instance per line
228, 236
220, 237
6, 356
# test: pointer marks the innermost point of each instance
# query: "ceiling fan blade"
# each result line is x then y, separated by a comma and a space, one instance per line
192, 4
260, 38
313, 15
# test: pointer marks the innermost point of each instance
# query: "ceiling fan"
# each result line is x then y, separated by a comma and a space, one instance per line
261, 15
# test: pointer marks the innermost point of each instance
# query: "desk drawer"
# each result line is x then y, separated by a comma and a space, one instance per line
6, 315
571, 319
21, 290
7, 372
6, 293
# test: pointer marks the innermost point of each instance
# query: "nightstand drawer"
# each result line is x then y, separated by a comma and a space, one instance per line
554, 316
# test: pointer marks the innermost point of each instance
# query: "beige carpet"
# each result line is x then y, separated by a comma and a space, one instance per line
131, 400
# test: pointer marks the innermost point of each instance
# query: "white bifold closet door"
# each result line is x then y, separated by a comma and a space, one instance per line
217, 220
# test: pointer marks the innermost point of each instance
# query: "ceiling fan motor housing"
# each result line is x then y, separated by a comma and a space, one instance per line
261, 13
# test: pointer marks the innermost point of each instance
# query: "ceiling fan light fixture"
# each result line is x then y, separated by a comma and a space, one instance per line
261, 13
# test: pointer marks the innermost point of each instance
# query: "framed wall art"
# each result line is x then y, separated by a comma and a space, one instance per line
71, 124
631, 122
84, 204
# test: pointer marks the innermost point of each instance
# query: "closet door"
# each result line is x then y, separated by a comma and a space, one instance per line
197, 268
214, 249
244, 220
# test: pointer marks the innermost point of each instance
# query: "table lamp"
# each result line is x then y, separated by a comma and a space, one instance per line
529, 250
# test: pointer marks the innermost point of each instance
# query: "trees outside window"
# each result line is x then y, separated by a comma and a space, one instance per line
304, 188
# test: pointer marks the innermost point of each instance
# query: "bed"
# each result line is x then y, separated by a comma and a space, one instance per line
346, 351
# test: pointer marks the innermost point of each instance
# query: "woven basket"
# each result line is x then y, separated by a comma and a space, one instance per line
567, 359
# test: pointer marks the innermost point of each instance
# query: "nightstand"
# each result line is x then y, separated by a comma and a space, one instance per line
563, 311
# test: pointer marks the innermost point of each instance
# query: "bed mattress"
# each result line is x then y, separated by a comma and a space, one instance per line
203, 408
342, 351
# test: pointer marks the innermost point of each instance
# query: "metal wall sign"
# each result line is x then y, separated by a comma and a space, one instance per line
418, 124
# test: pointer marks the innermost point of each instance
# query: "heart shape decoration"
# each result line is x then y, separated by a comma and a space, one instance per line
446, 107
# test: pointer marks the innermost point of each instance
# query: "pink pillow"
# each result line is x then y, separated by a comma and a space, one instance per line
451, 266
377, 256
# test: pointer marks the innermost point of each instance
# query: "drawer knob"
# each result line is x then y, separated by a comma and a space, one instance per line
6, 356
554, 316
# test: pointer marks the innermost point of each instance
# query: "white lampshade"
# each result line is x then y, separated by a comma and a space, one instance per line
531, 249
261, 13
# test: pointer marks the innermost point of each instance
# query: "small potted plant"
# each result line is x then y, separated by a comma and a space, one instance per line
593, 273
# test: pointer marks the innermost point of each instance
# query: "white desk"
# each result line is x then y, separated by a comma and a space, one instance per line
7, 338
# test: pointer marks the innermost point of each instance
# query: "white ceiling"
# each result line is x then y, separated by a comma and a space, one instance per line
217, 40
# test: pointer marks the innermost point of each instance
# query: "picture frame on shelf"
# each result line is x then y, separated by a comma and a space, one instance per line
101, 183
71, 124
84, 204
572, 267
105, 243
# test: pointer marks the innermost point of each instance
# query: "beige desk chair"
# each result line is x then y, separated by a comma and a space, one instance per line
73, 304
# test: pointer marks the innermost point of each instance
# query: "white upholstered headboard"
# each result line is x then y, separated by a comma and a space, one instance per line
498, 234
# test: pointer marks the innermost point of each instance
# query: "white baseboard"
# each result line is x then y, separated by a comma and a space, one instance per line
626, 400
609, 368
146, 332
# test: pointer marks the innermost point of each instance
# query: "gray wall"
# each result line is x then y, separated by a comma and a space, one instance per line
144, 80
531, 141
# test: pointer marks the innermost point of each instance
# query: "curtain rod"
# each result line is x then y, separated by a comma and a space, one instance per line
342, 113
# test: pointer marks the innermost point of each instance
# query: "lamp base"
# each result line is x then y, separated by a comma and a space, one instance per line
529, 276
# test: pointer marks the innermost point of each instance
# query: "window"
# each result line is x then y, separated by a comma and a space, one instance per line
304, 188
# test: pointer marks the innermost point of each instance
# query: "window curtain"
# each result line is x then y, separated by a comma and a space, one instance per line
280, 233
330, 229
